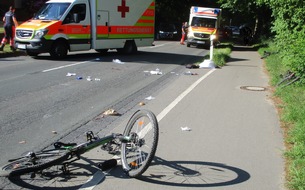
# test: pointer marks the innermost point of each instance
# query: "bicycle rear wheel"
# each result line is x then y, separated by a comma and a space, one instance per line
33, 162
137, 154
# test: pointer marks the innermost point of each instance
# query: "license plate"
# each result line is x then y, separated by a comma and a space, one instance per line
21, 46
201, 42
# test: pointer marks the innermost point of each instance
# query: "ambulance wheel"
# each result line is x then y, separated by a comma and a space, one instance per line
59, 50
129, 48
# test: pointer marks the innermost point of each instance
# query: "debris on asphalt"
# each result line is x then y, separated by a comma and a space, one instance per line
97, 79
185, 129
54, 132
79, 78
89, 78
118, 61
192, 66
141, 103
149, 98
110, 112
22, 142
155, 72
70, 74
190, 73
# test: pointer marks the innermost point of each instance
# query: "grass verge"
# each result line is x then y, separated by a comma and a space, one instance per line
290, 102
221, 54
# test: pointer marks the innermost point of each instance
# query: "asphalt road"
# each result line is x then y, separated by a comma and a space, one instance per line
235, 140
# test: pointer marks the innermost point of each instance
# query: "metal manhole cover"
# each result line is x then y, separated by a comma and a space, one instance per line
253, 88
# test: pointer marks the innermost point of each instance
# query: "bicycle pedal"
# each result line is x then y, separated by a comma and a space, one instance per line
108, 164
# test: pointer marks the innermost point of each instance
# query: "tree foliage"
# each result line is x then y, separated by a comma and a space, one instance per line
287, 23
32, 6
178, 11
289, 26
253, 13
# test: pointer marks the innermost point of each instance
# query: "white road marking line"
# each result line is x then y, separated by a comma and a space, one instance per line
181, 96
98, 176
61, 67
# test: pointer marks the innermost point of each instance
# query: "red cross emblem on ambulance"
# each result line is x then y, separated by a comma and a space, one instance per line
123, 9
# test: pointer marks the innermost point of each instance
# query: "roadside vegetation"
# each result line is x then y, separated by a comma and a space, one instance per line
290, 101
221, 54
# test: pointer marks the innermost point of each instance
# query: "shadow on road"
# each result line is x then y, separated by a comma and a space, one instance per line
162, 172
139, 57
193, 174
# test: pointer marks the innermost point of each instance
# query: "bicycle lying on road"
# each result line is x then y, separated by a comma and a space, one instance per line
137, 146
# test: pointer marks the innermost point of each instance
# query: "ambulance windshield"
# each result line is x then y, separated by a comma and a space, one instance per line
52, 11
204, 22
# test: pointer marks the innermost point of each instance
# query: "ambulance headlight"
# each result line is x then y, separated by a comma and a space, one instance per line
40, 33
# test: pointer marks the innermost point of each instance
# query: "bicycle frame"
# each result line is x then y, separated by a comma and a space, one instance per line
135, 157
95, 142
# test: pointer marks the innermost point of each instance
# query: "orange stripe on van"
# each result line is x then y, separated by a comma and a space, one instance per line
145, 21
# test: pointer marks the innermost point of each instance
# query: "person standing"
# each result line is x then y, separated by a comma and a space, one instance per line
184, 25
9, 22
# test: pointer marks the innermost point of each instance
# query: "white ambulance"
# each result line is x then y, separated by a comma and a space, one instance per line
79, 25
203, 23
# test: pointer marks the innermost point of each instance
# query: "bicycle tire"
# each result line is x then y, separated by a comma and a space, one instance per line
43, 160
137, 155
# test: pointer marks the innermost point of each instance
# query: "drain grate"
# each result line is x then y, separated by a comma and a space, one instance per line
253, 88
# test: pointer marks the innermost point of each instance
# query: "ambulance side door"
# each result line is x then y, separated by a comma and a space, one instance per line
102, 29
77, 26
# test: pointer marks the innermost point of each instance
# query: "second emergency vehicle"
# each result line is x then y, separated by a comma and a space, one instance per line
203, 23
79, 25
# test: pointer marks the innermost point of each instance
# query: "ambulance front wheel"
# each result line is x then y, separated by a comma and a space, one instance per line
59, 49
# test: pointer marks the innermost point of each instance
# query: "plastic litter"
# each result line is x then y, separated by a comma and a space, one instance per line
97, 79
155, 72
79, 78
141, 103
118, 61
185, 129
22, 142
89, 78
149, 98
70, 74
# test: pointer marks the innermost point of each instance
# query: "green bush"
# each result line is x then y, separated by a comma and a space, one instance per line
221, 56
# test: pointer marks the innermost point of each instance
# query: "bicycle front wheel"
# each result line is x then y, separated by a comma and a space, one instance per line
33, 162
139, 151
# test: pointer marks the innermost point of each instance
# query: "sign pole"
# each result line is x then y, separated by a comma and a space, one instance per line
209, 63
